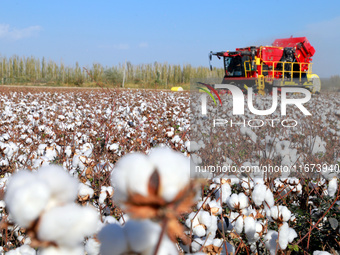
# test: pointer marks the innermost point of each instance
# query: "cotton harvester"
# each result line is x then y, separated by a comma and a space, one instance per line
286, 63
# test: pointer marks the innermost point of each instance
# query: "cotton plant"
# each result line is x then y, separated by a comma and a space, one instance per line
43, 203
202, 224
155, 186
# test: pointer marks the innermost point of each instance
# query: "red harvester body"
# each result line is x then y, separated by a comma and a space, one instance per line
287, 62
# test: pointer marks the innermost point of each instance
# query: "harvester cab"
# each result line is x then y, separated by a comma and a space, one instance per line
287, 62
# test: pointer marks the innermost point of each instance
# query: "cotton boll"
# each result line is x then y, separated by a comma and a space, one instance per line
196, 244
142, 234
26, 197
113, 240
63, 187
238, 201
167, 247
215, 208
250, 227
205, 218
192, 220
279, 213
321, 253
21, 178
283, 236
224, 192
84, 190
199, 230
135, 237
104, 192
286, 235
174, 170
332, 187
239, 225
92, 247
270, 241
22, 250
131, 174
232, 201
269, 198
212, 229
243, 200
110, 220
68, 225
286, 214
51, 250
259, 194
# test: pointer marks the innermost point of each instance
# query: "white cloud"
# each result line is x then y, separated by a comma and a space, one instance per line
143, 45
8, 32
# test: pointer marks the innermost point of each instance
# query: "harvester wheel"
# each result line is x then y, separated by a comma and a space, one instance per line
316, 83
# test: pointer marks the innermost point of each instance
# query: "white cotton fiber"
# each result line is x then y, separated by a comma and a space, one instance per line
135, 237
205, 218
174, 169
259, 194
85, 190
92, 247
22, 250
239, 201
68, 225
142, 234
63, 187
250, 227
332, 187
279, 212
321, 253
192, 220
285, 213
232, 201
196, 244
199, 230
105, 190
131, 174
270, 241
239, 225
243, 200
215, 207
26, 197
212, 229
269, 197
223, 192
17, 180
113, 240
51, 250
286, 235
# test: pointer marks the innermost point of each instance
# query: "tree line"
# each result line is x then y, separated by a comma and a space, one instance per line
31, 70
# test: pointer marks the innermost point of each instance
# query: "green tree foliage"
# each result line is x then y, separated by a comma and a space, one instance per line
23, 70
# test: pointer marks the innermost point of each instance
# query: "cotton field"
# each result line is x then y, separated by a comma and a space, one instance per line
113, 172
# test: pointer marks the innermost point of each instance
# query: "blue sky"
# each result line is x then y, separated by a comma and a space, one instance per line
177, 32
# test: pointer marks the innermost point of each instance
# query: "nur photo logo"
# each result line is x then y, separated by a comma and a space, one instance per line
238, 99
